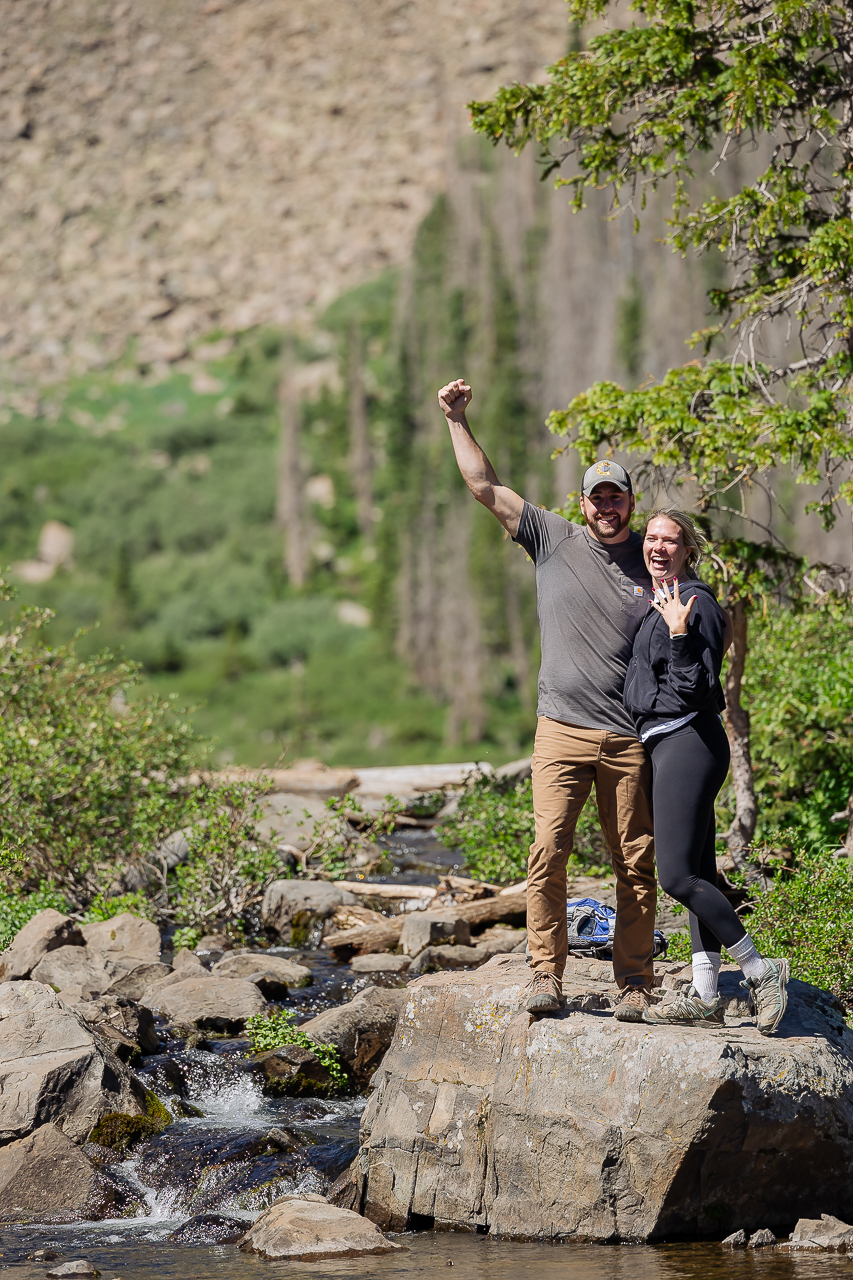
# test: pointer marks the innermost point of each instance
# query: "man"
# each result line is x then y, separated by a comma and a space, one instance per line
593, 591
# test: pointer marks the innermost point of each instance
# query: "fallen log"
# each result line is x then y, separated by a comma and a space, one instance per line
511, 908
368, 890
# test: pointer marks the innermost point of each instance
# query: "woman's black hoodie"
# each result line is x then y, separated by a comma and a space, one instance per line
672, 676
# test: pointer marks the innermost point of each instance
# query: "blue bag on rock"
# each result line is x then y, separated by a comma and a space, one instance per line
591, 926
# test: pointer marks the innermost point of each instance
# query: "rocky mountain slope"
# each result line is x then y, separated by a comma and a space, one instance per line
191, 164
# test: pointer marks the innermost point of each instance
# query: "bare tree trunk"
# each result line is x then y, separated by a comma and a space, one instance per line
740, 833
361, 462
289, 507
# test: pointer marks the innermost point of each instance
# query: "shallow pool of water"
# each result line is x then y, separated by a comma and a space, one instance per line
428, 1255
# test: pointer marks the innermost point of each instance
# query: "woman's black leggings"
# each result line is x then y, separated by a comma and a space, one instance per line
688, 768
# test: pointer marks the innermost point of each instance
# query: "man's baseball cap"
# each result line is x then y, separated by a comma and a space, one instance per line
606, 472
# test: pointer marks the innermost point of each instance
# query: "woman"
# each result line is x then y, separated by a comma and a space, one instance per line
673, 692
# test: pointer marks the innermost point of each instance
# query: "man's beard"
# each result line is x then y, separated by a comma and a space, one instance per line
607, 530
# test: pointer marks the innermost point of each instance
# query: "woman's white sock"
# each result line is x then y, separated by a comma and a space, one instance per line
706, 971
745, 954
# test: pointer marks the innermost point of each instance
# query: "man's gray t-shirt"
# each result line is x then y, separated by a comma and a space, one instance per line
591, 600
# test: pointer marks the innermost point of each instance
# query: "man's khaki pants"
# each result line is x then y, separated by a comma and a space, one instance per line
567, 760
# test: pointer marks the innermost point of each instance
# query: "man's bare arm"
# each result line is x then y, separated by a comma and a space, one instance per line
477, 472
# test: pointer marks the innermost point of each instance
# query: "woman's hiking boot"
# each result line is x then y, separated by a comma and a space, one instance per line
544, 993
688, 1009
769, 994
632, 1002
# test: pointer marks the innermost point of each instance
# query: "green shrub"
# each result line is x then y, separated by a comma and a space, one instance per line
493, 827
101, 908
272, 1031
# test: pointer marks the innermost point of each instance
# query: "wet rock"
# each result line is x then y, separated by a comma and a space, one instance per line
433, 959
79, 1267
383, 963
54, 1068
120, 1132
183, 1110
137, 980
184, 959
77, 970
311, 1230
47, 931
212, 1004
284, 1139
823, 1233
46, 1172
212, 943
294, 1071
761, 1239
635, 1130
432, 928
362, 1030
285, 900
43, 1255
243, 964
737, 1240
208, 1228
114, 1014
124, 935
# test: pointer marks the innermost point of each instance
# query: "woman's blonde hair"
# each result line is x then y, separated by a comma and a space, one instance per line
692, 537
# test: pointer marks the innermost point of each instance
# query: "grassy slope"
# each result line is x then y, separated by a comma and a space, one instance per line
168, 484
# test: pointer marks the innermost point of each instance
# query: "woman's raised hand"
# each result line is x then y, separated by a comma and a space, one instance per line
670, 608
454, 399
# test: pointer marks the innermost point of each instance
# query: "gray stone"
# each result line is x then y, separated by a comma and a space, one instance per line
150, 997
112, 1014
285, 817
45, 1173
125, 935
79, 1267
311, 1230
284, 900
579, 1126
433, 959
213, 1004
185, 959
76, 970
55, 1069
823, 1233
430, 928
761, 1239
382, 963
133, 984
361, 1030
47, 931
293, 1071
208, 1228
242, 964
737, 1240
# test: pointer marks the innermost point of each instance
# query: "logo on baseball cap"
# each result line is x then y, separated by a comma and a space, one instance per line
606, 472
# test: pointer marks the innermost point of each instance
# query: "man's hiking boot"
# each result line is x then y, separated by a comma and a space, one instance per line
545, 994
631, 1003
688, 1009
769, 996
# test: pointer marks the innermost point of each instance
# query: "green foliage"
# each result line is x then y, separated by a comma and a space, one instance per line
272, 1031
494, 827
88, 780
17, 908
229, 865
186, 938
345, 830
103, 908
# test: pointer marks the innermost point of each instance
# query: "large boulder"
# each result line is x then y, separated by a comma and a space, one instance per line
308, 1230
288, 901
45, 932
46, 1173
133, 984
361, 1030
213, 1004
242, 964
120, 1022
579, 1126
125, 935
55, 1069
76, 970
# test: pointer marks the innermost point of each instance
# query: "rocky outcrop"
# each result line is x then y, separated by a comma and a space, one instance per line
579, 1126
362, 1030
76, 970
286, 901
45, 932
242, 964
213, 1004
46, 1173
821, 1235
55, 1069
121, 1023
125, 935
311, 1229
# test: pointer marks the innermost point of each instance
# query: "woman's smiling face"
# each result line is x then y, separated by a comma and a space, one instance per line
663, 549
